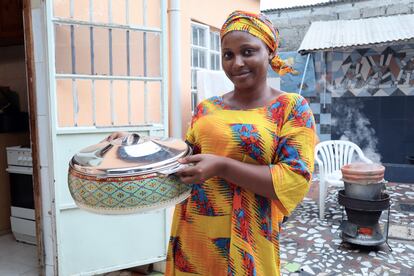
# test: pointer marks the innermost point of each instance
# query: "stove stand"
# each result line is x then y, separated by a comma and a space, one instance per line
362, 226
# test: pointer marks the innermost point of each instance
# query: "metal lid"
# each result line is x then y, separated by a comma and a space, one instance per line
130, 155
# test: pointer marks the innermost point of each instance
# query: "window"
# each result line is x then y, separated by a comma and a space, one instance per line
205, 54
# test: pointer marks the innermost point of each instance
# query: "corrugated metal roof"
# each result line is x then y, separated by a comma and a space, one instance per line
323, 35
291, 6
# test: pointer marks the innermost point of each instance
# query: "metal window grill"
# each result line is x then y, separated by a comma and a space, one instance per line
113, 58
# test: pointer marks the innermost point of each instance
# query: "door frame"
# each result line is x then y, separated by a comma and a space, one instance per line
33, 125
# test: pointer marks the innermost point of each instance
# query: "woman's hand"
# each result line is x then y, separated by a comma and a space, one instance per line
115, 135
256, 178
204, 166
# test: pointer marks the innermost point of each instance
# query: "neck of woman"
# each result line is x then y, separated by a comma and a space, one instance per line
252, 97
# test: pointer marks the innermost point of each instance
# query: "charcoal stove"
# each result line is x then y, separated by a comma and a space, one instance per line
364, 199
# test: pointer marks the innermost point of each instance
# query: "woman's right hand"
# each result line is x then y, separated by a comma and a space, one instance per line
115, 135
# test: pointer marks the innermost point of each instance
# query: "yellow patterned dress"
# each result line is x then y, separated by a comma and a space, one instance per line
223, 229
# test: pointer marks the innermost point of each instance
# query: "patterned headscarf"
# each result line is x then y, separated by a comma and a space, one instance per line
261, 27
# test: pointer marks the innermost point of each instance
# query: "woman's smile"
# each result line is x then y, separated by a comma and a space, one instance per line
241, 75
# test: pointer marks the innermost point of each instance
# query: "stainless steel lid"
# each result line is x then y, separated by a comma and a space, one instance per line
131, 155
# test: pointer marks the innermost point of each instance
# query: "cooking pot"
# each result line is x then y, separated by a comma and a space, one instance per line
131, 174
363, 181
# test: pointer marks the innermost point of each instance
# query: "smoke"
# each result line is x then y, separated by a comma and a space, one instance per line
352, 125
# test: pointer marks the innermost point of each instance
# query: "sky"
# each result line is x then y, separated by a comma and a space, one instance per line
276, 4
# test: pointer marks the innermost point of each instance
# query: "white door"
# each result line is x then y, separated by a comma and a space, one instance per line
107, 72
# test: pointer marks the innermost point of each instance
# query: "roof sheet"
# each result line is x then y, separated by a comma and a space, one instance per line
292, 6
324, 35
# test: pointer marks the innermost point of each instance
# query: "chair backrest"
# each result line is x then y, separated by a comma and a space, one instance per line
333, 154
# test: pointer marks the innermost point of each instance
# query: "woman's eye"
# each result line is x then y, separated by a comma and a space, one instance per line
248, 52
227, 55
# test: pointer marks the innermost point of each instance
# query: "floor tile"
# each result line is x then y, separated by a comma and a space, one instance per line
17, 258
325, 251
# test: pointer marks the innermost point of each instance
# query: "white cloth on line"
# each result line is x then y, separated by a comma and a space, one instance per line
212, 83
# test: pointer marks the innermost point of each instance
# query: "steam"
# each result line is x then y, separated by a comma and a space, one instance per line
355, 127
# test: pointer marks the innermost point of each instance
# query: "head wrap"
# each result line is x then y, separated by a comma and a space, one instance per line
261, 27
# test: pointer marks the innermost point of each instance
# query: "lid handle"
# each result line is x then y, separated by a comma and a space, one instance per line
131, 139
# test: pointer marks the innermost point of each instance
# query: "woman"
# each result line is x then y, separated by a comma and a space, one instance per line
254, 159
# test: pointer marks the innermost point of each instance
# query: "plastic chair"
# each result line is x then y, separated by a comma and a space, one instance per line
331, 156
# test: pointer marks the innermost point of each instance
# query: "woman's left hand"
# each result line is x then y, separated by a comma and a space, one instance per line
202, 167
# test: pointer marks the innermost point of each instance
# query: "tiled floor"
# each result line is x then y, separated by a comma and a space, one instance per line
17, 259
314, 246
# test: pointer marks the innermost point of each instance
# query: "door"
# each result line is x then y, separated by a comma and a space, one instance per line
107, 72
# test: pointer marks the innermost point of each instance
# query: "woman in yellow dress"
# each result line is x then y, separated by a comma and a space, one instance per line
253, 162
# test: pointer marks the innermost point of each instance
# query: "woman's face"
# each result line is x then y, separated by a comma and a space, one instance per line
245, 59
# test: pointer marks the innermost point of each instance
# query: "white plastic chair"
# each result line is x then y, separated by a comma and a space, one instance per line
331, 156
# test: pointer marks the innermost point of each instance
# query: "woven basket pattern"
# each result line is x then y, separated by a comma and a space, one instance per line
129, 193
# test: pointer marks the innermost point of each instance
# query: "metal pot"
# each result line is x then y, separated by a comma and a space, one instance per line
128, 175
369, 192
